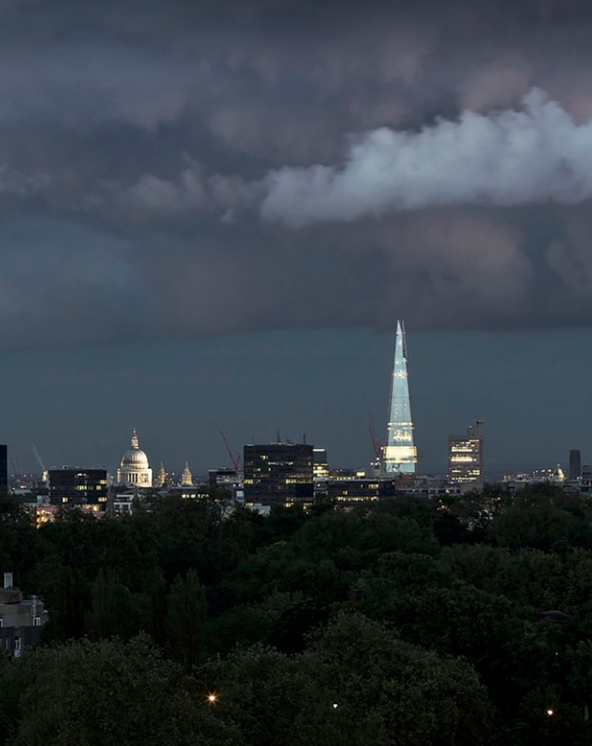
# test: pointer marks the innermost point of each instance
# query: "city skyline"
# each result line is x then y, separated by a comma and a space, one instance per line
212, 385
212, 214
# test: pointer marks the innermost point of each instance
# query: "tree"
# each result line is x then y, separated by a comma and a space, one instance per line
357, 684
104, 694
112, 612
185, 620
389, 692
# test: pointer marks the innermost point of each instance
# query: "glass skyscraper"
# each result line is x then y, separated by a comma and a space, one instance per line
400, 453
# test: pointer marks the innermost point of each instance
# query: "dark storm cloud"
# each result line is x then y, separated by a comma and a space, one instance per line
181, 168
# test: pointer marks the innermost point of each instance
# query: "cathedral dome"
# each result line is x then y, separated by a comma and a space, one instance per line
134, 469
135, 457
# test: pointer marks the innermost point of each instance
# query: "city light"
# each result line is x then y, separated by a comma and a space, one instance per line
550, 713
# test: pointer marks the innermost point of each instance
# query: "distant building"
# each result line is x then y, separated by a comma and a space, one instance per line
465, 455
360, 489
3, 466
226, 477
586, 480
186, 477
21, 619
320, 465
279, 473
73, 487
400, 453
161, 477
134, 469
575, 465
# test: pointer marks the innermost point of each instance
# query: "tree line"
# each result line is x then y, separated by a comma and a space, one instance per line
463, 620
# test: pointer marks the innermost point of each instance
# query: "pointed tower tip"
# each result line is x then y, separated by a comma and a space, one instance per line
135, 441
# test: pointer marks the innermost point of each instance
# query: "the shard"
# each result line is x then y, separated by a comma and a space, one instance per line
400, 453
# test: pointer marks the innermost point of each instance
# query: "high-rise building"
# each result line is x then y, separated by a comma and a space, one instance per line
400, 453
320, 466
3, 466
72, 487
278, 473
465, 455
575, 465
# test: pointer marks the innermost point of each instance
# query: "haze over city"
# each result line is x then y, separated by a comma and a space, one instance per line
212, 215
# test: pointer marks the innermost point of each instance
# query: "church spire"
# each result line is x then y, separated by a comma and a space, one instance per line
187, 477
135, 441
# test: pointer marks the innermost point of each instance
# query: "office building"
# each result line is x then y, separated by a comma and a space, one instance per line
349, 491
465, 455
280, 473
400, 453
72, 487
575, 465
320, 465
3, 466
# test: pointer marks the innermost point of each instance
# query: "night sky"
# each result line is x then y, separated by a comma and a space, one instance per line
212, 214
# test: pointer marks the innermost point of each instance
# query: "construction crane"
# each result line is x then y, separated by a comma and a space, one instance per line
17, 473
40, 462
235, 460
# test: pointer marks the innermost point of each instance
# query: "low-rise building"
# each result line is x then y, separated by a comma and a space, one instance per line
21, 619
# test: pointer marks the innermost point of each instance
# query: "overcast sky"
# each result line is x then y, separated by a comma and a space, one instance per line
212, 214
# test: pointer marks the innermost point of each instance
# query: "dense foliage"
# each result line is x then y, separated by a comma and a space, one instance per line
402, 622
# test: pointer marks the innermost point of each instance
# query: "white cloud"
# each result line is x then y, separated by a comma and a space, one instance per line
503, 158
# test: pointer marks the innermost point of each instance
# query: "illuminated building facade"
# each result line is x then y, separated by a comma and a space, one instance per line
465, 455
186, 477
134, 469
400, 453
360, 489
320, 466
279, 473
72, 487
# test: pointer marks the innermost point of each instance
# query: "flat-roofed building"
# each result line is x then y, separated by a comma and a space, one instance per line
72, 486
361, 489
279, 473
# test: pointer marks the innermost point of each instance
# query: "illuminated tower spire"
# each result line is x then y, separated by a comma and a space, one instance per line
186, 478
400, 453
